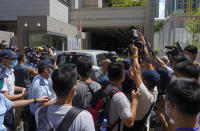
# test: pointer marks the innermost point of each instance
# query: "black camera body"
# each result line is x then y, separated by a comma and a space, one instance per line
32, 56
173, 51
134, 37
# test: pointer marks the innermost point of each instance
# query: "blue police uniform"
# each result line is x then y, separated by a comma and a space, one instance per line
40, 87
5, 105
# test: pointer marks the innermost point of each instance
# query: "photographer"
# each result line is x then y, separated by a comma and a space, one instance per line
177, 59
148, 90
191, 51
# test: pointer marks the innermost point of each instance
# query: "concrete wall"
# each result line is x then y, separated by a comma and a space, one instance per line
56, 26
149, 21
58, 10
10, 9
48, 24
108, 17
90, 3
76, 4
23, 32
6, 36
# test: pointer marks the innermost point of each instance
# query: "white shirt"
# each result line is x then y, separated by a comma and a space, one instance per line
170, 71
56, 113
145, 101
9, 82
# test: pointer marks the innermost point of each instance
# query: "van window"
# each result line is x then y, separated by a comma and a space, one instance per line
70, 59
100, 57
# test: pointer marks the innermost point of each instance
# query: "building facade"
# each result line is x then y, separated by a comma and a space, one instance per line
61, 23
187, 5
38, 23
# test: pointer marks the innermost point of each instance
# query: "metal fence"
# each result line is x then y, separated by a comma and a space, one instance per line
170, 33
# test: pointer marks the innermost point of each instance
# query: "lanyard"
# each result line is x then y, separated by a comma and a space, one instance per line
188, 129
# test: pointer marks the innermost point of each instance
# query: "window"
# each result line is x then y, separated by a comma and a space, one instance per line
67, 2
70, 59
101, 57
181, 24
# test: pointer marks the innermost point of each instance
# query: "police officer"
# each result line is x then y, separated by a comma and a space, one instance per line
6, 104
40, 85
8, 62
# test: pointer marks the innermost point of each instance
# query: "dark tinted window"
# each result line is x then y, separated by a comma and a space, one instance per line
101, 57
70, 59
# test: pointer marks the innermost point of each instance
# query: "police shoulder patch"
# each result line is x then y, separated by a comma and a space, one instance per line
42, 83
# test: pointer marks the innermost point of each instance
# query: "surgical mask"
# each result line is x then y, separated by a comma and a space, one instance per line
166, 111
187, 56
14, 63
50, 74
1, 84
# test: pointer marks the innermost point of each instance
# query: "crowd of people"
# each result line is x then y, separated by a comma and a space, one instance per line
130, 95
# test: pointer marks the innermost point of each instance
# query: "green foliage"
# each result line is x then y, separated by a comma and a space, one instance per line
158, 26
192, 26
126, 3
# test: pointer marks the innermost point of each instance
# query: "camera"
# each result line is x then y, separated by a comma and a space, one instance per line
173, 51
134, 37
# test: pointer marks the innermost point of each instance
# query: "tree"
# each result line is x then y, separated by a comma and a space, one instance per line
192, 25
158, 26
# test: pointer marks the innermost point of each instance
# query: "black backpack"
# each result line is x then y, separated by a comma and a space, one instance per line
44, 125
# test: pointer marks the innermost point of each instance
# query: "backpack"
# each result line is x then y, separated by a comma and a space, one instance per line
45, 125
99, 107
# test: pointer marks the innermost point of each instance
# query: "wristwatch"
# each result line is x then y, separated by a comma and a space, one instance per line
35, 100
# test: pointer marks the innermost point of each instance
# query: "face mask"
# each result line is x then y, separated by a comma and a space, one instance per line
14, 63
50, 74
187, 56
1, 84
166, 112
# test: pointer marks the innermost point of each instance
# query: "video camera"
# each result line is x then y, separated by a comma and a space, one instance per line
173, 51
32, 55
134, 37
135, 40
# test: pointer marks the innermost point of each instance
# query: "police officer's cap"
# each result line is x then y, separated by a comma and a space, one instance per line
45, 63
7, 54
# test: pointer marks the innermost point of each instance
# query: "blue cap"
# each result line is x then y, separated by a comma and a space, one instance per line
3, 72
45, 63
152, 77
127, 61
7, 54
